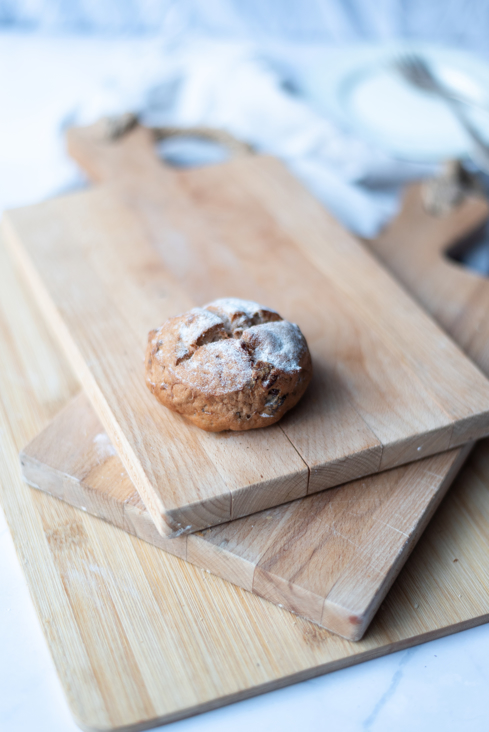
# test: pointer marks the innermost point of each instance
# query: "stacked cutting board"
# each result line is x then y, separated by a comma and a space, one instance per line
107, 265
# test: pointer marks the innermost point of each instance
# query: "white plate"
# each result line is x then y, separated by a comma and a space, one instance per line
359, 88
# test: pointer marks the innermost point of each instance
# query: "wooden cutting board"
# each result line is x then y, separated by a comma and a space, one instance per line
140, 637
330, 557
109, 264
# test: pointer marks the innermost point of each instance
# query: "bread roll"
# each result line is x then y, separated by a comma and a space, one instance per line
230, 365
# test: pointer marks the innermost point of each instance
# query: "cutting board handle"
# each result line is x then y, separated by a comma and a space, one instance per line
235, 147
414, 248
120, 150
116, 146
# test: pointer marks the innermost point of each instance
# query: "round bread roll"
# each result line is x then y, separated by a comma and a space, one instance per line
230, 365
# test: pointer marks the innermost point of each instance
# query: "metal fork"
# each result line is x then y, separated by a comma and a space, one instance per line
417, 71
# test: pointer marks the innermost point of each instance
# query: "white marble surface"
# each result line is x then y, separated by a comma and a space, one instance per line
440, 685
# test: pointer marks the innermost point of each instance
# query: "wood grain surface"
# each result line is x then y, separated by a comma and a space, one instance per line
330, 557
109, 264
140, 637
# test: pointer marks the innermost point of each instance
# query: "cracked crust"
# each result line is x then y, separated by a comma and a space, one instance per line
230, 365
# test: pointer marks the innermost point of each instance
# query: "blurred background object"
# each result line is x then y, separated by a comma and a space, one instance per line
312, 83
462, 23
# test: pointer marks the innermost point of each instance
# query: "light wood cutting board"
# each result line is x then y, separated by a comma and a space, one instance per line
109, 264
140, 637
330, 557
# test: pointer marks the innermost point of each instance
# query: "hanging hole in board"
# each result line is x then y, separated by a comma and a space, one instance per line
191, 151
472, 251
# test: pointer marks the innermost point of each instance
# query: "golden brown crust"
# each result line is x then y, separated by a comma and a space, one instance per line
231, 365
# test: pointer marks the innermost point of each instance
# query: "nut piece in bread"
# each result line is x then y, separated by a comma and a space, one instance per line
230, 365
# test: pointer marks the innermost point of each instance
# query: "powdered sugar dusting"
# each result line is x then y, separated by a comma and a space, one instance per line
193, 331
227, 346
221, 364
239, 314
103, 446
221, 367
232, 305
280, 344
